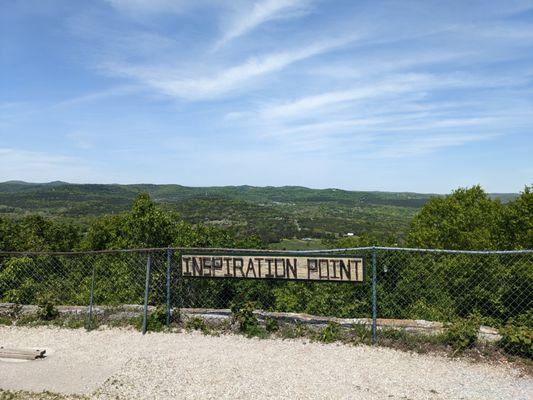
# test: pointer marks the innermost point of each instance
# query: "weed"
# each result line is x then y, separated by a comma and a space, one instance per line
73, 323
175, 315
330, 333
360, 333
517, 340
197, 324
15, 311
271, 324
243, 314
462, 334
408, 341
157, 319
47, 310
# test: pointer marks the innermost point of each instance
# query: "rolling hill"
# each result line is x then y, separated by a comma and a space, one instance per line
271, 212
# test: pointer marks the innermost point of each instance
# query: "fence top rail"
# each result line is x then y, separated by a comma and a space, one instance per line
274, 251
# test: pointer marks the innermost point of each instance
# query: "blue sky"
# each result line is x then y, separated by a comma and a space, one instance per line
419, 96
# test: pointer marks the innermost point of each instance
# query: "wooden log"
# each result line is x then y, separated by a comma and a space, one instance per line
22, 354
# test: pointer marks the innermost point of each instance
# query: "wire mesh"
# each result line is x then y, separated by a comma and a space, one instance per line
420, 284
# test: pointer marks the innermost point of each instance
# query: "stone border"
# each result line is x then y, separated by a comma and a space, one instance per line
127, 311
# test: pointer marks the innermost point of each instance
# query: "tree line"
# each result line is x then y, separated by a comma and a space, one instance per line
466, 219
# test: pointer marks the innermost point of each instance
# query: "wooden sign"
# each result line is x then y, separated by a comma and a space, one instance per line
266, 266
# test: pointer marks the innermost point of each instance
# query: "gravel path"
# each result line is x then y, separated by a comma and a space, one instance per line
110, 363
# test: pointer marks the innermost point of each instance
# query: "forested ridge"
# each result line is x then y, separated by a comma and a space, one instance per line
271, 213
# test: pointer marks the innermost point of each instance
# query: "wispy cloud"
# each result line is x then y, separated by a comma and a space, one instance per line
307, 105
172, 83
408, 147
115, 91
248, 19
39, 166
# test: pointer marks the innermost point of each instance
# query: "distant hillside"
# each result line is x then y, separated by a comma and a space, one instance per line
272, 212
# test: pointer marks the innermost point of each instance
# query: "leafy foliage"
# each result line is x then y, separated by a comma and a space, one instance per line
470, 219
517, 340
419, 286
197, 324
462, 334
330, 333
47, 309
271, 324
157, 319
243, 314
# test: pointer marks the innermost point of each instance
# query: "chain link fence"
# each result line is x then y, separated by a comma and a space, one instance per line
419, 284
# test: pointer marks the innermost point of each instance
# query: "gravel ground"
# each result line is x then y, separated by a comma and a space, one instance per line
105, 364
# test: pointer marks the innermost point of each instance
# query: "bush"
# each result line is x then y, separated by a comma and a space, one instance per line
157, 320
462, 334
47, 310
517, 340
293, 331
271, 324
197, 324
330, 333
361, 333
243, 314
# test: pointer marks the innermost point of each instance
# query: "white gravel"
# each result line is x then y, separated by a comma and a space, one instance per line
109, 363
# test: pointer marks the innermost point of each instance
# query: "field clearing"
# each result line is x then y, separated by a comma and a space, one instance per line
119, 363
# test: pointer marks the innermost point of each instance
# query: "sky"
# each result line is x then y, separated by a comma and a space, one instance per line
422, 96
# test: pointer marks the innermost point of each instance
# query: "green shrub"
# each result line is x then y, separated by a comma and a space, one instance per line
330, 333
157, 319
462, 334
293, 331
175, 315
197, 324
271, 324
517, 340
47, 310
361, 333
243, 314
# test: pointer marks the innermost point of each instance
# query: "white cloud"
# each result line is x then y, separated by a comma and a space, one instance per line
418, 145
305, 106
169, 81
248, 19
39, 166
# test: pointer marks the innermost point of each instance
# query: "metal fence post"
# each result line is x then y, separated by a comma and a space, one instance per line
90, 316
169, 263
146, 292
374, 296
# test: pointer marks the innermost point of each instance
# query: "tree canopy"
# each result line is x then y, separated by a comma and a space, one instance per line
470, 219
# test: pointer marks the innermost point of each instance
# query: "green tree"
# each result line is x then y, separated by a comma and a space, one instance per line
466, 219
517, 222
36, 233
147, 225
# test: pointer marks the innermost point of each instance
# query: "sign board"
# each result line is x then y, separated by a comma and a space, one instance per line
268, 266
